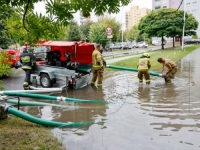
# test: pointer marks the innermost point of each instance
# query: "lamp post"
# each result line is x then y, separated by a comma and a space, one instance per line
184, 2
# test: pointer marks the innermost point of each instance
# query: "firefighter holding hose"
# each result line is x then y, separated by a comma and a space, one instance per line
143, 68
172, 69
97, 64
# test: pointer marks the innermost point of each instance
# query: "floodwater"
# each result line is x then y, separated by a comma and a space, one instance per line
136, 116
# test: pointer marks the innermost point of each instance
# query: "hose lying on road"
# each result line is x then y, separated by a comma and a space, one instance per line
43, 122
133, 69
37, 90
32, 103
58, 98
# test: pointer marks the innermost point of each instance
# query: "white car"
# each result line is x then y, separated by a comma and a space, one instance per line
142, 44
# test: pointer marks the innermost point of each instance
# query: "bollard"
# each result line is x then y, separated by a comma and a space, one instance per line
34, 81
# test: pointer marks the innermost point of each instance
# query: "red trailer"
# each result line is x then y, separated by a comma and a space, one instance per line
69, 61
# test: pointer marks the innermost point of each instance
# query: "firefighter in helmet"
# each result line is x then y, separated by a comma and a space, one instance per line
28, 61
143, 68
97, 66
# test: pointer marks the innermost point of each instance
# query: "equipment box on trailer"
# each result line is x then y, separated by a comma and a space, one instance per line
69, 61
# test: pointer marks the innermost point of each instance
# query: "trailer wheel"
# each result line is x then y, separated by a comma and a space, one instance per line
45, 81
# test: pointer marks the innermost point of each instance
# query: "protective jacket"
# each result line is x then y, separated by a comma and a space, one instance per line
144, 64
27, 60
97, 59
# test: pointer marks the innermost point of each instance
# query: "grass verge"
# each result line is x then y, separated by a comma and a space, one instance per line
18, 134
173, 54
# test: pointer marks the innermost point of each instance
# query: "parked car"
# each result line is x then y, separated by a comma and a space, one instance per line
142, 44
157, 43
116, 46
192, 41
125, 45
108, 47
39, 52
133, 45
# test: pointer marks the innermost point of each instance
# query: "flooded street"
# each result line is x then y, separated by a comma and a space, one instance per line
136, 116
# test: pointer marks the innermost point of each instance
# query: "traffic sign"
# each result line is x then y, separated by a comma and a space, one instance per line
109, 31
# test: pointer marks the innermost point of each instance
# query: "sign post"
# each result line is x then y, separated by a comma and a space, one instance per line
109, 33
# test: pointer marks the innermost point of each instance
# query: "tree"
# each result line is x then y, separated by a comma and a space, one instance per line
63, 10
133, 33
33, 28
5, 65
5, 13
85, 28
114, 25
74, 33
97, 31
167, 22
97, 34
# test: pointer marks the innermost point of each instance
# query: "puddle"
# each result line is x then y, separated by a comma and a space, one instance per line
155, 116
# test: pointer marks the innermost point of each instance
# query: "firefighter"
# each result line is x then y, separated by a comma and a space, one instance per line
28, 61
97, 67
143, 68
172, 69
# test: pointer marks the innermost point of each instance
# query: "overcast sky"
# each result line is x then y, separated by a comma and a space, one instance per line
40, 7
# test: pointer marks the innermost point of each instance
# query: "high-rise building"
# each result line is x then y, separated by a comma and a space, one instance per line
157, 4
133, 16
191, 6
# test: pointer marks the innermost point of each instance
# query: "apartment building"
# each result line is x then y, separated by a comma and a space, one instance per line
158, 4
133, 16
191, 6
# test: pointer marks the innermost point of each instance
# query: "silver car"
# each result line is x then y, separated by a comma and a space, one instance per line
39, 52
142, 44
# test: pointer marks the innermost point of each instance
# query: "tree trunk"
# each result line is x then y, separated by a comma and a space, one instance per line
181, 41
162, 42
173, 42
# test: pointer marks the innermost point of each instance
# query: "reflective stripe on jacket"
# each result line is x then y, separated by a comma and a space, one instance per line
143, 64
26, 60
97, 59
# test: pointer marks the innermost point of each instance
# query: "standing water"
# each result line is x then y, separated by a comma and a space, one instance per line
136, 116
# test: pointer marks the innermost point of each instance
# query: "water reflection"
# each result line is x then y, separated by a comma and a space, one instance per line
83, 111
144, 93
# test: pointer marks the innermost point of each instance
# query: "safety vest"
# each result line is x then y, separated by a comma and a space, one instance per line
171, 63
97, 59
26, 60
143, 64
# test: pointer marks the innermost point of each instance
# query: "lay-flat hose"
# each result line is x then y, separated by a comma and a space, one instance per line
43, 122
132, 69
42, 96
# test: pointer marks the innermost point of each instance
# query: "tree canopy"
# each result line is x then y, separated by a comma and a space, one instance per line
97, 31
33, 28
63, 10
167, 22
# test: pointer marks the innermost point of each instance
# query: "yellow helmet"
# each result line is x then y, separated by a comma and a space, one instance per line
146, 55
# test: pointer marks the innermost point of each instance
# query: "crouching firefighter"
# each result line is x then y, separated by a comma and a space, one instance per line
28, 62
143, 68
97, 68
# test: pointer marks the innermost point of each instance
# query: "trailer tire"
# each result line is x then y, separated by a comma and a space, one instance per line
45, 81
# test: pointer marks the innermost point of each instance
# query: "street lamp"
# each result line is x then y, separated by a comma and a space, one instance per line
184, 2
